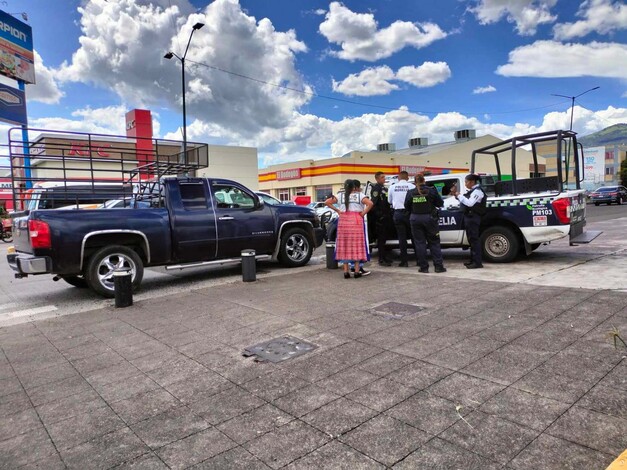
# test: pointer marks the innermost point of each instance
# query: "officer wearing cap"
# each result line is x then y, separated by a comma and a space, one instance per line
474, 204
381, 215
422, 203
397, 194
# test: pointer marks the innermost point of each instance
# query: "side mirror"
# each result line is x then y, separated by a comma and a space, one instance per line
259, 203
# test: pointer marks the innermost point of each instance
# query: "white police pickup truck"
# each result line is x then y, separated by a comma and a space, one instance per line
522, 212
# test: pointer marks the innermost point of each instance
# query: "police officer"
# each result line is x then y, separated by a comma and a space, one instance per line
397, 194
422, 203
474, 206
381, 215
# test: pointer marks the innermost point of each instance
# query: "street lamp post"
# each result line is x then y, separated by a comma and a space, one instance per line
171, 54
572, 106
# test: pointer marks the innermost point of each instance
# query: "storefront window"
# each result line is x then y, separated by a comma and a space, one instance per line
302, 191
322, 192
284, 195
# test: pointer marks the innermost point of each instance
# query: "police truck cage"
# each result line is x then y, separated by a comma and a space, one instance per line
554, 175
73, 170
556, 172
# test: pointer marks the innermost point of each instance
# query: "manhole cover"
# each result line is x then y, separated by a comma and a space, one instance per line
397, 310
279, 349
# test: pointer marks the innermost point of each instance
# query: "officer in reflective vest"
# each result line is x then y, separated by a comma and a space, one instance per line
422, 203
474, 204
381, 215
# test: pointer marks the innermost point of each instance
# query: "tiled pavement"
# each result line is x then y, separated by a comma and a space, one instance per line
522, 377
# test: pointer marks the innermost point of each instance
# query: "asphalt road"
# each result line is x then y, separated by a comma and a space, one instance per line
605, 212
39, 297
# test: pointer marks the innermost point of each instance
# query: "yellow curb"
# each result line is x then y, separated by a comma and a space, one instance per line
620, 463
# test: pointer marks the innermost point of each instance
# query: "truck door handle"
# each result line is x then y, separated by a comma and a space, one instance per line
226, 217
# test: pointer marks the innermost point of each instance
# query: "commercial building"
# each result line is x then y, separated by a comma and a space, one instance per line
73, 157
319, 178
602, 165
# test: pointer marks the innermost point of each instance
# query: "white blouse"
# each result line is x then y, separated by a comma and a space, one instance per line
354, 205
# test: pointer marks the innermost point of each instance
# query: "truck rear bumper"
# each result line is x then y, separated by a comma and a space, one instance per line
28, 264
545, 234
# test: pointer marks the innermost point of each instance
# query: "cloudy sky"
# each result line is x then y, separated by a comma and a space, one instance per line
312, 79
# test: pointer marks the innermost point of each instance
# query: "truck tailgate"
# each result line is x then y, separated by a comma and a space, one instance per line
21, 237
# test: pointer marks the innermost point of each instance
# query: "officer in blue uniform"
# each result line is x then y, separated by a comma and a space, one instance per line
398, 192
381, 215
474, 204
422, 203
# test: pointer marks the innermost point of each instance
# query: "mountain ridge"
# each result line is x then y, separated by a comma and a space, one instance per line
612, 135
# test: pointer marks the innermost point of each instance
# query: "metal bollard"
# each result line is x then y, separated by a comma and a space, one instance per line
331, 263
249, 266
123, 288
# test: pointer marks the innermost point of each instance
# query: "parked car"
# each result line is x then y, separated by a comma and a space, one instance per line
198, 222
316, 205
78, 195
268, 199
608, 195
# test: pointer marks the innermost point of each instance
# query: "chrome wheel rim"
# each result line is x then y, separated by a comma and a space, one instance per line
497, 245
112, 262
297, 247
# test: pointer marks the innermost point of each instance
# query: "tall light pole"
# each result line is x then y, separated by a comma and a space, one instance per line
171, 54
572, 106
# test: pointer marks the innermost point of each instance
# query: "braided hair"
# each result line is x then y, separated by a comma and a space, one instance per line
349, 185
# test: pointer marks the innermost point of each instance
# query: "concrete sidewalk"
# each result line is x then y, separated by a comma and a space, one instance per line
523, 377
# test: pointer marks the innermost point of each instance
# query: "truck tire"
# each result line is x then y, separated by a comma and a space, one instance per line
500, 244
99, 274
296, 248
76, 281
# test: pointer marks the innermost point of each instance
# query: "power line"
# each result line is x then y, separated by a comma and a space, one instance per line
358, 103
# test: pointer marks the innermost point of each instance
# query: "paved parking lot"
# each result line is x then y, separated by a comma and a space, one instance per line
483, 375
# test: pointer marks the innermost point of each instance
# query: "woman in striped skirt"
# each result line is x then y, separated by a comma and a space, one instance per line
351, 243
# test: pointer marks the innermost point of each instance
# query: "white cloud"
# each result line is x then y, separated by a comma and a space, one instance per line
585, 121
525, 14
376, 80
600, 16
108, 120
426, 75
310, 136
360, 38
550, 59
46, 90
113, 54
369, 82
483, 89
320, 12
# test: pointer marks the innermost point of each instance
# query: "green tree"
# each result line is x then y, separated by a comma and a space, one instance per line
623, 172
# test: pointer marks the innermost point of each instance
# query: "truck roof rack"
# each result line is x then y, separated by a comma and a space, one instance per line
78, 163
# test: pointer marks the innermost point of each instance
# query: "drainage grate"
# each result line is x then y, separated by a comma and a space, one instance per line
279, 349
396, 310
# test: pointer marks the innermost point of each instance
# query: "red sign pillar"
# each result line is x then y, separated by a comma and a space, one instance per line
139, 126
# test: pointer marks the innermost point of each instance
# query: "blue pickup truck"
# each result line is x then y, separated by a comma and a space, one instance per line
194, 222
